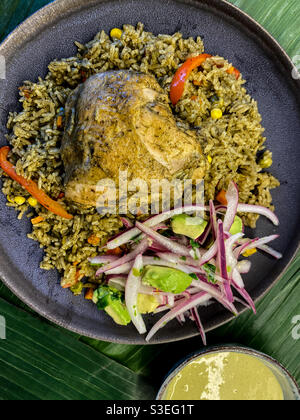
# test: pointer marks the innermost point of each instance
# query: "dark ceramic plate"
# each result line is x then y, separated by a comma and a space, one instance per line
226, 31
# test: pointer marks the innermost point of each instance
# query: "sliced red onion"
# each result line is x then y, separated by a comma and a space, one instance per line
263, 241
171, 300
155, 247
133, 285
220, 208
179, 309
229, 244
243, 292
181, 319
210, 254
127, 223
242, 302
248, 208
122, 269
195, 254
213, 218
222, 261
214, 292
241, 249
118, 283
181, 239
203, 238
200, 327
176, 259
103, 259
140, 249
244, 266
268, 250
253, 244
166, 307
164, 263
153, 221
162, 240
232, 197
237, 278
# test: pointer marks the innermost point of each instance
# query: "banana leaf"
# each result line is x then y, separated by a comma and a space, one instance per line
43, 361
39, 361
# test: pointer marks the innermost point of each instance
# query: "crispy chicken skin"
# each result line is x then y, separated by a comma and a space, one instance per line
121, 121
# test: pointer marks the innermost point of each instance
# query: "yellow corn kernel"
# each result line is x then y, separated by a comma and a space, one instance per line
116, 33
32, 201
10, 199
250, 252
20, 200
266, 161
216, 114
209, 158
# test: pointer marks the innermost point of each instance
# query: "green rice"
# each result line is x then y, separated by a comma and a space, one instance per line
232, 144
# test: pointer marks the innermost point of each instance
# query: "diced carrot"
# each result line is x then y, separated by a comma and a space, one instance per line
26, 92
117, 251
196, 83
89, 294
59, 121
236, 72
194, 98
221, 198
77, 276
61, 195
37, 220
94, 240
83, 76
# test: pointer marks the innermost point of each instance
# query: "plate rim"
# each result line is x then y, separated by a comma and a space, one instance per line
48, 13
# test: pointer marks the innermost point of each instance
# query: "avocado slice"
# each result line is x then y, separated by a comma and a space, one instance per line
147, 304
112, 302
237, 226
166, 279
192, 227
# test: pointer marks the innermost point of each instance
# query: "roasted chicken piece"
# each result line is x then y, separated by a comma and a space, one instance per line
121, 121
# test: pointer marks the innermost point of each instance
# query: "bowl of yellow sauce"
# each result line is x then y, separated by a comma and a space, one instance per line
229, 373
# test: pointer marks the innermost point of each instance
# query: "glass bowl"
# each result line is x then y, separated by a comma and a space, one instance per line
290, 389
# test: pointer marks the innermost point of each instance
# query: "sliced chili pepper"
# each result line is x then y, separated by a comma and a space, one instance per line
31, 186
182, 74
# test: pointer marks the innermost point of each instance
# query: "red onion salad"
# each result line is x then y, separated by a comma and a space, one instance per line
213, 261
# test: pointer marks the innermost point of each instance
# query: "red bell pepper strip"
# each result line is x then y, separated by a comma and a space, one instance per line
182, 74
31, 186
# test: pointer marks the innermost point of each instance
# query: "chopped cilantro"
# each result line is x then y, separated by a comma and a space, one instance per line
194, 244
210, 270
